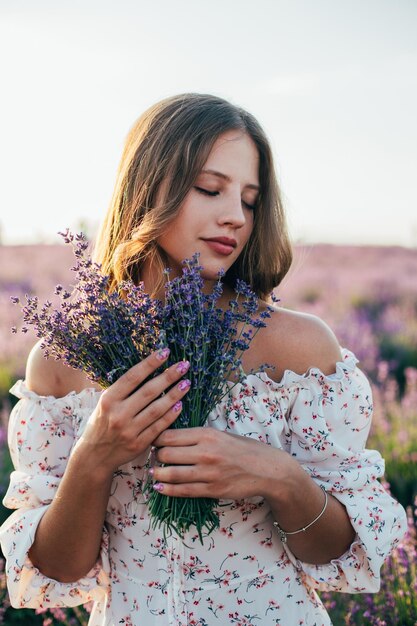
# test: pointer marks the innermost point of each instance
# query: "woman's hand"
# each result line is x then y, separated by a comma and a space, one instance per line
205, 462
131, 414
214, 464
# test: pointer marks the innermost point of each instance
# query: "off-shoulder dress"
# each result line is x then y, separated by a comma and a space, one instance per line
243, 574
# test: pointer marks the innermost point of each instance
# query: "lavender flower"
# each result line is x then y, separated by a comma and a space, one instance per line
100, 332
106, 333
212, 340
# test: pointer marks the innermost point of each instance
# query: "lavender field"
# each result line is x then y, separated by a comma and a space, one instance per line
368, 295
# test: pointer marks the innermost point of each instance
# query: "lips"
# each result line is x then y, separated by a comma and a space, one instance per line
222, 245
226, 240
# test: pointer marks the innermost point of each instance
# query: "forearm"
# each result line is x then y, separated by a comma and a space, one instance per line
68, 538
129, 416
295, 501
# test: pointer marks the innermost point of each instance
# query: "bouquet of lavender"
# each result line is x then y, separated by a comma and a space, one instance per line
106, 333
212, 340
101, 333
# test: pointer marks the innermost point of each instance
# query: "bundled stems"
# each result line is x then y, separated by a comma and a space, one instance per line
105, 333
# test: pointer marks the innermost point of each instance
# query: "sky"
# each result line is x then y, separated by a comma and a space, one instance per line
333, 82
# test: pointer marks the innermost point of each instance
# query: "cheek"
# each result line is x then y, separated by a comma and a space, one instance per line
170, 237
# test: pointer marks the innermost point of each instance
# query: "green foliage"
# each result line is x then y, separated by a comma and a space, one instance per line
6, 380
77, 616
402, 478
5, 469
400, 353
20, 617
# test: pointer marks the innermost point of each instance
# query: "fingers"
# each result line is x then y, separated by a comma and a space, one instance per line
158, 416
147, 411
184, 437
135, 414
191, 462
186, 490
136, 375
181, 474
189, 447
150, 392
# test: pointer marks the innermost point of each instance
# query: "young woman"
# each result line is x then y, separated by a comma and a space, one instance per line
302, 507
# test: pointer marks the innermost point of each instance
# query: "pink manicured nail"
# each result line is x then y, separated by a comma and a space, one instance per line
184, 384
177, 406
183, 367
163, 354
151, 471
158, 487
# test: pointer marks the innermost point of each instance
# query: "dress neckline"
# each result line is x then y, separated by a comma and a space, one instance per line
288, 378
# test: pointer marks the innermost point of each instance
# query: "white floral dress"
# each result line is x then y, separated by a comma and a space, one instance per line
243, 574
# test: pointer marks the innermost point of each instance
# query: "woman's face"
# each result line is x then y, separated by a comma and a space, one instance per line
216, 217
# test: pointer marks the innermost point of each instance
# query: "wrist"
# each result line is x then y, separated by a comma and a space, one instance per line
285, 533
295, 499
85, 456
282, 477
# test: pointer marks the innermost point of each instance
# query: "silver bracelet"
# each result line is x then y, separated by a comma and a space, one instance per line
283, 534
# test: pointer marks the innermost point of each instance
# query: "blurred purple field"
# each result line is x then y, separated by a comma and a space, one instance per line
357, 290
368, 296
31, 270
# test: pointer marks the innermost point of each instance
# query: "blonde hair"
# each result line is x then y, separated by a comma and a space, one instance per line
164, 153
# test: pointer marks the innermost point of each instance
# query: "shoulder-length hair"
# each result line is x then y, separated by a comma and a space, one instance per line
164, 153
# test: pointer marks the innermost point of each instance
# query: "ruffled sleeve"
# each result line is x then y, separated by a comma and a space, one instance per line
42, 433
330, 418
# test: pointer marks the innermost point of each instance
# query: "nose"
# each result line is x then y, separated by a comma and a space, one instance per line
231, 211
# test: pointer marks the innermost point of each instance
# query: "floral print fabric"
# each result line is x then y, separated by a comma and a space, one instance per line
242, 574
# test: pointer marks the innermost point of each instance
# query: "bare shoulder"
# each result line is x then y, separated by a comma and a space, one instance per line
48, 377
298, 342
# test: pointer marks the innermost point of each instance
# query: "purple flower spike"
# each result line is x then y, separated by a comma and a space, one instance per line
106, 333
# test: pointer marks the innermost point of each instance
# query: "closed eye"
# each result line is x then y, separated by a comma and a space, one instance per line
206, 192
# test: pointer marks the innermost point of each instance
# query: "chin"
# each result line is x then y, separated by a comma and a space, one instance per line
210, 276
211, 270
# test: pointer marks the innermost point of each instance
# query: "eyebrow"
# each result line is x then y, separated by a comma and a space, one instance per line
227, 178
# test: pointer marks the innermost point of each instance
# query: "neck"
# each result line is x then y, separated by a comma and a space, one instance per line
150, 276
